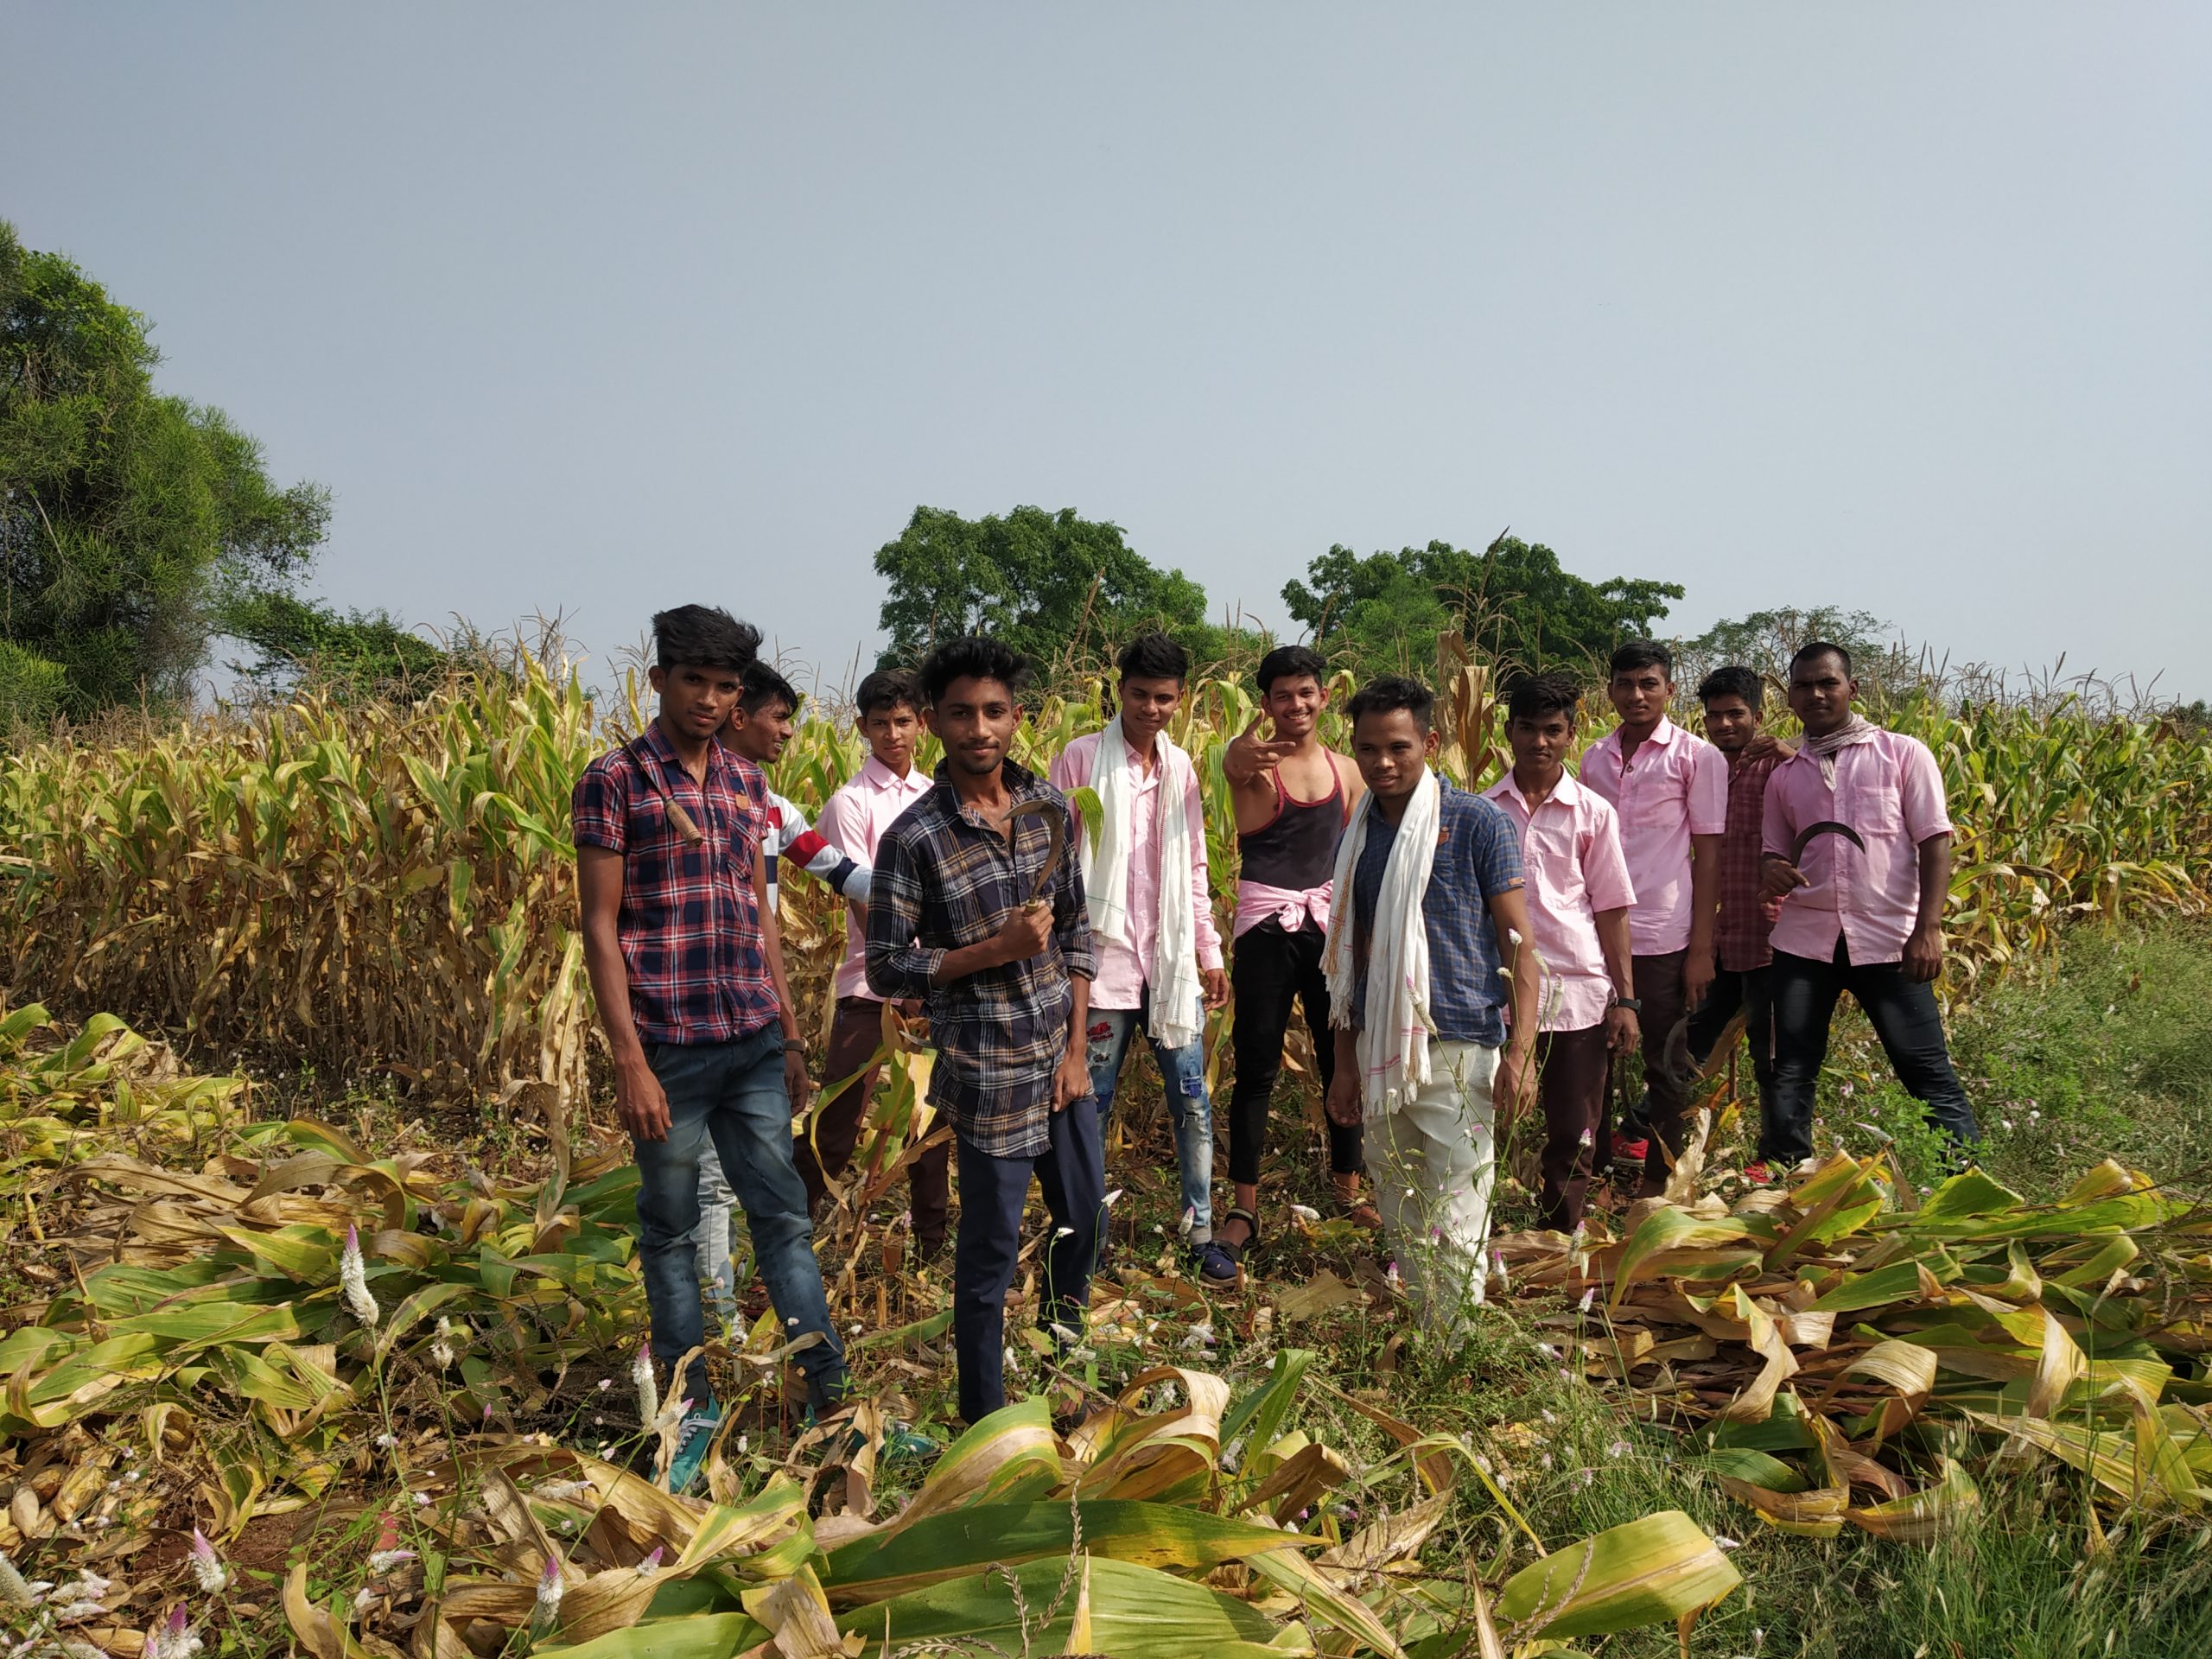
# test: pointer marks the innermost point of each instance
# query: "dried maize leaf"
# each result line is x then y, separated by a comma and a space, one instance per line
1919, 1517
1755, 1403
1663, 1569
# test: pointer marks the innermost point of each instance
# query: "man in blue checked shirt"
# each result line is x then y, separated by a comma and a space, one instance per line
956, 918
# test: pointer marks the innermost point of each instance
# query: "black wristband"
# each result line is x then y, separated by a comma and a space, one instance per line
1632, 1004
794, 1045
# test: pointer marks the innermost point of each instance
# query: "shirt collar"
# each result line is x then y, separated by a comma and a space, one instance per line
1567, 792
876, 775
656, 744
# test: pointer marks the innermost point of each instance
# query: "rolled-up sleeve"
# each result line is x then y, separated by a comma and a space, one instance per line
1071, 914
1920, 793
898, 965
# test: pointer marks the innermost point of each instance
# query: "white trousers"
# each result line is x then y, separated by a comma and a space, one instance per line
1433, 1162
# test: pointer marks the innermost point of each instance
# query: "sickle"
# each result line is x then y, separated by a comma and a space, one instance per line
1812, 832
1056, 824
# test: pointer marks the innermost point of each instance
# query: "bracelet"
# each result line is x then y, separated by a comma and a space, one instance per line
794, 1045
1634, 1005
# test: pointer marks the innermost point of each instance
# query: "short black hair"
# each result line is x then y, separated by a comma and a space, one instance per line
1633, 654
1153, 657
1288, 662
886, 689
1734, 681
703, 636
1812, 648
1534, 696
975, 656
1390, 693
763, 685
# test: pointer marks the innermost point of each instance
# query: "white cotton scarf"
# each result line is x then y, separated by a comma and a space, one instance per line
1824, 747
1393, 1045
1173, 974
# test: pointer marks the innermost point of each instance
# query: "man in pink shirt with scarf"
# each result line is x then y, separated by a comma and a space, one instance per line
1858, 847
1151, 914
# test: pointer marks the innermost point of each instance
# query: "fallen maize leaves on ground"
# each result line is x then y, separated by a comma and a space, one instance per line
1840, 1360
261, 1322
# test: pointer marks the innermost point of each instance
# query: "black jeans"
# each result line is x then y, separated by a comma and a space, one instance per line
1274, 968
1752, 990
1905, 1018
1071, 1172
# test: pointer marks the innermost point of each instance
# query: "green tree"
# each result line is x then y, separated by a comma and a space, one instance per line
1512, 601
1766, 640
359, 653
124, 514
1059, 587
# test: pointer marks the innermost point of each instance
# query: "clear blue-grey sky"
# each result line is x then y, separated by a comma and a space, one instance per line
593, 309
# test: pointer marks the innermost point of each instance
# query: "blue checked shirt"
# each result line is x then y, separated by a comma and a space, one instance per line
942, 880
1478, 856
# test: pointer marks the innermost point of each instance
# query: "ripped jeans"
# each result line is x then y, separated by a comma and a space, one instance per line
1184, 1072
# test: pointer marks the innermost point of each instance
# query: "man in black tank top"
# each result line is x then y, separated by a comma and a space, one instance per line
1292, 797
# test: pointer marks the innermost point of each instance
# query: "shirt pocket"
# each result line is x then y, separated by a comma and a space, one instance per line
1875, 806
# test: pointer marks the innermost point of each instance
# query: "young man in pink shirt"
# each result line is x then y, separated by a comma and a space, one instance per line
1671, 792
1151, 914
1579, 896
888, 708
1862, 903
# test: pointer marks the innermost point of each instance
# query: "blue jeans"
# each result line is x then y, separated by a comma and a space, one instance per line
733, 1095
1183, 1070
1072, 1175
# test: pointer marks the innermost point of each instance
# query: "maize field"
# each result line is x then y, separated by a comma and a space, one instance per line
378, 890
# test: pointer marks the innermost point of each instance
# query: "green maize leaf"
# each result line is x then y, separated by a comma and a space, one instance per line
708, 1636
1136, 1613
928, 1330
1965, 1194
1662, 1569
1012, 1443
1260, 1414
1670, 1229
943, 1546
1755, 1468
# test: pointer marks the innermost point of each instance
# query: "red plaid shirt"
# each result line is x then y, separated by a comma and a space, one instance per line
690, 924
1739, 935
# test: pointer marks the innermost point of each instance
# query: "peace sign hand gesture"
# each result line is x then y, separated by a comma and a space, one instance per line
1250, 756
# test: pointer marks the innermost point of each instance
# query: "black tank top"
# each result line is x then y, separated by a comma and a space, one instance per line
1296, 850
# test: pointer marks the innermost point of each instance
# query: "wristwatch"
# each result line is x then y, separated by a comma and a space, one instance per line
1632, 1004
794, 1045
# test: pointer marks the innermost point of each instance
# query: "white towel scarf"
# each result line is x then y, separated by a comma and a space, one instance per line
1393, 1045
1173, 974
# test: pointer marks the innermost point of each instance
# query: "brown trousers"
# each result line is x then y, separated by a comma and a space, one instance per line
1573, 1070
855, 1035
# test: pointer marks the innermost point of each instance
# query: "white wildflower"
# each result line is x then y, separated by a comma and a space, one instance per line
2005, 1123
1589, 1296
422, 1500
1305, 1212
1062, 1333
1107, 1202
441, 1353
1585, 1140
364, 1598
1724, 1543
565, 1491
650, 1565
174, 1640
383, 1560
547, 1613
353, 1285
1063, 1232
388, 1442
1199, 1336
605, 1383
641, 1373
205, 1567
741, 1443
1617, 1449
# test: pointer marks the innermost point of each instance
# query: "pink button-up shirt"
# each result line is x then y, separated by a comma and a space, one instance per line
1676, 786
854, 822
1123, 967
1571, 857
1890, 791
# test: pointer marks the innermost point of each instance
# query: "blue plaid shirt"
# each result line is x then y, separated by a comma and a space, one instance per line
1478, 857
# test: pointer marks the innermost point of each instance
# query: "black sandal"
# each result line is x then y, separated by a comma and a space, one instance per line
1221, 1264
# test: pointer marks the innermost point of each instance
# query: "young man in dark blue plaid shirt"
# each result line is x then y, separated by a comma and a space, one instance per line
969, 912
688, 972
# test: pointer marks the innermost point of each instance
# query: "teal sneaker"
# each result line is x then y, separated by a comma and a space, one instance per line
695, 1438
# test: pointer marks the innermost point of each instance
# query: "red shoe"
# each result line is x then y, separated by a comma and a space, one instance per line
1632, 1154
1760, 1173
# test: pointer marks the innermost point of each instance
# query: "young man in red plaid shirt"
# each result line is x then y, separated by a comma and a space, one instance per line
1735, 700
687, 971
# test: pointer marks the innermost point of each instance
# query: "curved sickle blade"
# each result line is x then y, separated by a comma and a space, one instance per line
1812, 832
1056, 823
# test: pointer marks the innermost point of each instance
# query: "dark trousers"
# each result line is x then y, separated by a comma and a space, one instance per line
1071, 1173
1659, 988
1905, 1018
1574, 1068
1752, 990
1275, 968
855, 1035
